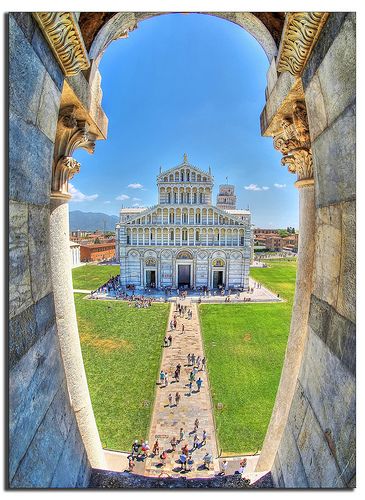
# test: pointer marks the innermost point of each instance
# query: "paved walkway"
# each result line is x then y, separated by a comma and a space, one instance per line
167, 420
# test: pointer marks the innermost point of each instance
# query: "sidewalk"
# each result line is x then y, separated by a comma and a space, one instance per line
166, 420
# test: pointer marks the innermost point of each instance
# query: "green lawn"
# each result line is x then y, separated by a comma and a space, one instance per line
245, 346
121, 348
91, 276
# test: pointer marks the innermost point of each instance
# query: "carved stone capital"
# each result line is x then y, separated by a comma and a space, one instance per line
62, 32
301, 31
71, 134
293, 141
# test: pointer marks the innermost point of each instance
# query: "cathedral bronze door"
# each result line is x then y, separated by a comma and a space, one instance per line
151, 278
184, 275
217, 279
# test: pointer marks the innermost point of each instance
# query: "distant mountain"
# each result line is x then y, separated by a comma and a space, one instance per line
91, 221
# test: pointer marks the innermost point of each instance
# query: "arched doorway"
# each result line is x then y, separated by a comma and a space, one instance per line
334, 203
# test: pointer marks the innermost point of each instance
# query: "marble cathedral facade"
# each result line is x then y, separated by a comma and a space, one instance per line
185, 241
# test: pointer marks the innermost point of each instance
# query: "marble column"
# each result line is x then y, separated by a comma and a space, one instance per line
294, 142
68, 331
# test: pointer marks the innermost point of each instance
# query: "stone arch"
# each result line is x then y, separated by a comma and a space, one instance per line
334, 213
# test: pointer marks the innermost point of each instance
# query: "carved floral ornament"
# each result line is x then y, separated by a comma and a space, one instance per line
71, 134
62, 32
293, 141
301, 32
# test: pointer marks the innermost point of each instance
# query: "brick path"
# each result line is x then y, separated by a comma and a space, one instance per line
166, 420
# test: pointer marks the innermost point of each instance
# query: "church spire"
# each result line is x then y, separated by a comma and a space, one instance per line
185, 158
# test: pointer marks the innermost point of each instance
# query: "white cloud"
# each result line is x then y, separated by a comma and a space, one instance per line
279, 186
136, 199
135, 185
255, 187
122, 197
77, 196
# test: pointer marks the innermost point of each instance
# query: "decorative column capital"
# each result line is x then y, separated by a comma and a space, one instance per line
293, 141
301, 31
63, 35
71, 134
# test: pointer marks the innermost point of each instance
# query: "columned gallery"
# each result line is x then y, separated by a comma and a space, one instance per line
185, 241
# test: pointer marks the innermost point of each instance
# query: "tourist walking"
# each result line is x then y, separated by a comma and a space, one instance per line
190, 385
199, 383
196, 442
198, 362
169, 338
182, 328
183, 459
131, 464
182, 435
243, 466
204, 438
173, 443
189, 359
207, 460
162, 377
185, 449
177, 398
193, 359
196, 425
171, 325
177, 375
135, 448
166, 379
224, 466
170, 399
156, 448
204, 363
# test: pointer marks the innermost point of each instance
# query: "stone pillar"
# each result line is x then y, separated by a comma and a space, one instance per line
294, 143
71, 134
68, 331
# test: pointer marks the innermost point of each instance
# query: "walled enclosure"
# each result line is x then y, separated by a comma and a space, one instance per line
55, 107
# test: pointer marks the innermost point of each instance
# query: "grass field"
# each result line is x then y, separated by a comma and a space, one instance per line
91, 276
121, 348
245, 346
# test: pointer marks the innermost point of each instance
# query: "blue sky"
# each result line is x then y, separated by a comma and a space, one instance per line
185, 83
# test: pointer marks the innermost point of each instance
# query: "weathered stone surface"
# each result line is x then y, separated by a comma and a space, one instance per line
26, 74
39, 256
48, 447
346, 303
292, 469
277, 474
276, 98
45, 315
22, 335
328, 253
33, 383
334, 160
28, 326
316, 108
335, 330
83, 477
44, 52
318, 462
297, 411
328, 34
271, 76
68, 466
330, 388
48, 108
30, 162
337, 72
26, 23
19, 276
